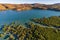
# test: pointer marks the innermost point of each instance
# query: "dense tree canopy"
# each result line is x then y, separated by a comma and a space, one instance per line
32, 32
51, 21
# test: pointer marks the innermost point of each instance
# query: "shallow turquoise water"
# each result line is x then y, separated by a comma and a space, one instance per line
9, 16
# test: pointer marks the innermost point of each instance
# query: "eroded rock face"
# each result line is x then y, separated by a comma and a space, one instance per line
17, 7
40, 6
20, 7
10, 6
23, 7
47, 7
2, 7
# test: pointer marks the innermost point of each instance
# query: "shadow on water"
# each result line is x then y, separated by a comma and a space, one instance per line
54, 10
47, 9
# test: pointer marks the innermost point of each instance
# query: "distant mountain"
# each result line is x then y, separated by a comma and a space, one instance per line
56, 4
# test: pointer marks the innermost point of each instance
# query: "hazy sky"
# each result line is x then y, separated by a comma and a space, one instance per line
30, 1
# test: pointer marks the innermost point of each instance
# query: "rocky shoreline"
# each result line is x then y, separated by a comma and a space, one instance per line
20, 7
31, 31
17, 7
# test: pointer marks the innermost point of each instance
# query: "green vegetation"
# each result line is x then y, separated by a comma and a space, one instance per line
32, 32
51, 21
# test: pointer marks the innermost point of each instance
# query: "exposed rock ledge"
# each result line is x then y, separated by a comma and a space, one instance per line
17, 7
20, 7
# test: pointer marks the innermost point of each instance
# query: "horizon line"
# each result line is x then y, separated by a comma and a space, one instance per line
27, 3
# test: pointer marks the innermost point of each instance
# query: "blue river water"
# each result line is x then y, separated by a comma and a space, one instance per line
8, 16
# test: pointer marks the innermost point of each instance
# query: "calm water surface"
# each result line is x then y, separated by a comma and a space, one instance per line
6, 17
9, 16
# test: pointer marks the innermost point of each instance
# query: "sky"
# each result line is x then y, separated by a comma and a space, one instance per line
30, 1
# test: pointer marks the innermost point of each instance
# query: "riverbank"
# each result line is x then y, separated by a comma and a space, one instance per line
30, 32
20, 7
50, 21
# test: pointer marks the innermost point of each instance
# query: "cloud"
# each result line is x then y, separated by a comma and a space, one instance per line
9, 1
30, 1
